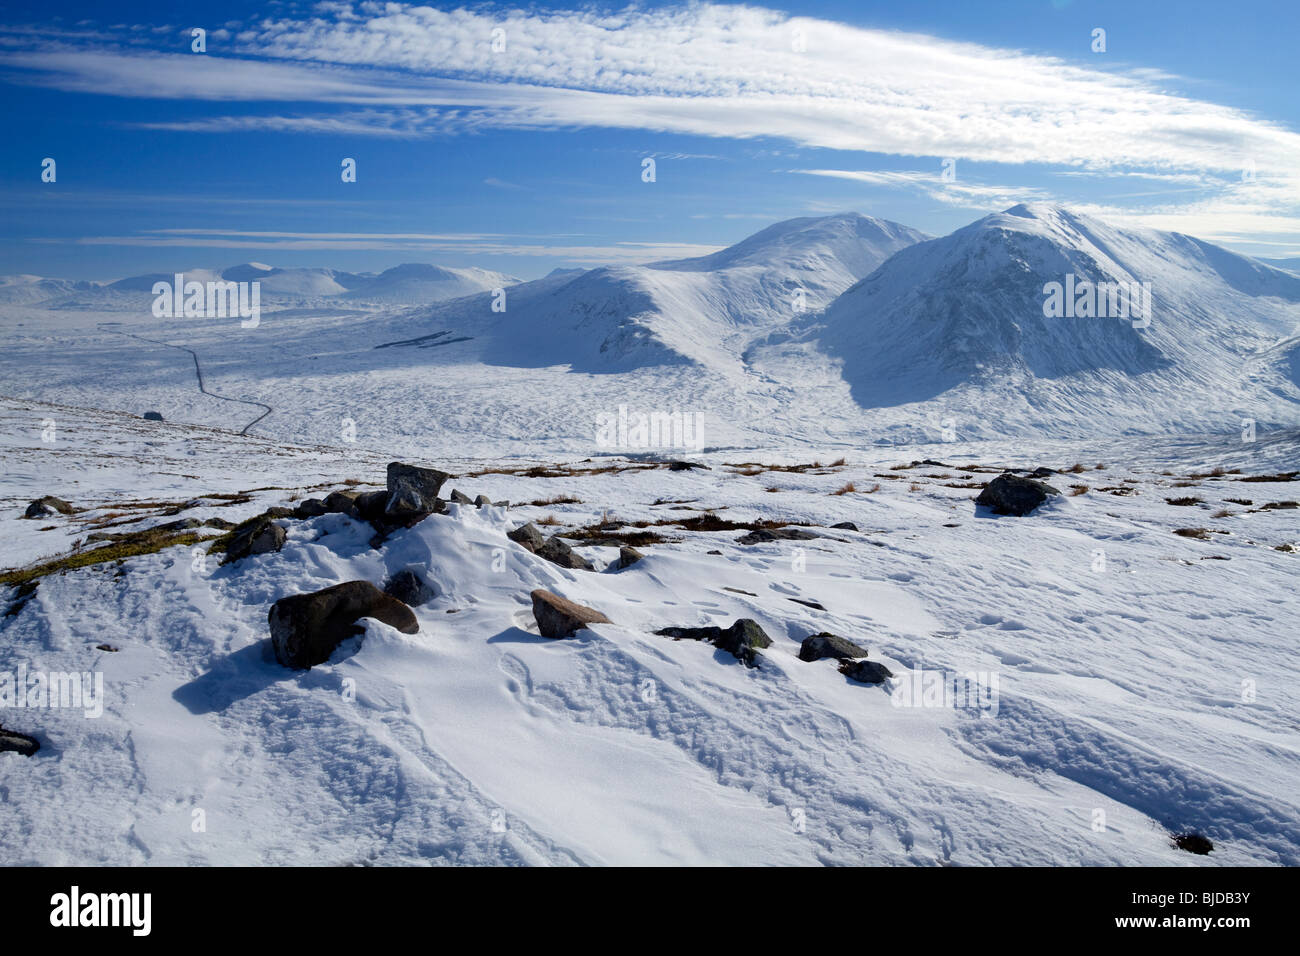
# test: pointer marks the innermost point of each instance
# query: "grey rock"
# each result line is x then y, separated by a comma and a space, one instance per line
310, 508
1015, 495
628, 557
742, 640
557, 551
413, 491
342, 502
866, 672
777, 534
829, 645
410, 587
152, 416
528, 536
845, 526
306, 628
370, 504
481, 500
260, 535
44, 507
558, 617
460, 497
13, 742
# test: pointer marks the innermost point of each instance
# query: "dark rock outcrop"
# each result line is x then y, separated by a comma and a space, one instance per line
865, 672
743, 640
342, 502
558, 617
413, 491
627, 557
306, 628
410, 587
760, 535
829, 645
310, 508
1015, 495
528, 536
370, 505
44, 507
460, 497
152, 416
13, 742
557, 551
845, 526
259, 535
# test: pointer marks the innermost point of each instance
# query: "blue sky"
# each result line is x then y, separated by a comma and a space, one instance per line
529, 156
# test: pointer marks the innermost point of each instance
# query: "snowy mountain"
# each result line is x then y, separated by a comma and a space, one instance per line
414, 283
964, 324
702, 311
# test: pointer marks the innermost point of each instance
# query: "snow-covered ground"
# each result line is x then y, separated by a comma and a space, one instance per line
1137, 682
1118, 689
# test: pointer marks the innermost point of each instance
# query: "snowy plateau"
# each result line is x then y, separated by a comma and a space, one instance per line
853, 385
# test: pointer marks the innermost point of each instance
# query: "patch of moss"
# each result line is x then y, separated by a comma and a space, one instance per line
129, 546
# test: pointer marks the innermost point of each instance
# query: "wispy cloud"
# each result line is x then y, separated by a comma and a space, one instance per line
396, 70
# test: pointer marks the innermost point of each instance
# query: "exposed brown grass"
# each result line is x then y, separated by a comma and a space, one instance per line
1184, 502
554, 500
846, 489
1076, 490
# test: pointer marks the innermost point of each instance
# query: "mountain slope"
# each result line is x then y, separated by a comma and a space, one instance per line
703, 311
960, 321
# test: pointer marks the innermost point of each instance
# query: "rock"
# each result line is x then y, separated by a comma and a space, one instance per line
558, 617
865, 672
1041, 473
829, 645
557, 551
1010, 494
370, 505
481, 500
713, 552
342, 502
627, 557
107, 647
310, 508
410, 587
413, 491
260, 535
152, 416
278, 511
306, 628
742, 640
845, 526
221, 523
1193, 843
778, 534
528, 536
13, 742
686, 466
460, 497
185, 524
44, 507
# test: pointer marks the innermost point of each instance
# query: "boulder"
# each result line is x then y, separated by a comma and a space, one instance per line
742, 640
686, 466
1009, 494
460, 497
310, 508
342, 502
627, 557
370, 504
829, 645
306, 628
278, 511
413, 491
865, 672
260, 535
152, 416
558, 617
14, 742
482, 500
845, 526
761, 535
557, 551
528, 536
410, 587
44, 507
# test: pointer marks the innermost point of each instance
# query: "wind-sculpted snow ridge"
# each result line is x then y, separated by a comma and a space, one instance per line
1127, 696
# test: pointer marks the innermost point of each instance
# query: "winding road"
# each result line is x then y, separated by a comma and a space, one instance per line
198, 371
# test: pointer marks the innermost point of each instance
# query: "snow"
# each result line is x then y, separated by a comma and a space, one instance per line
1153, 687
